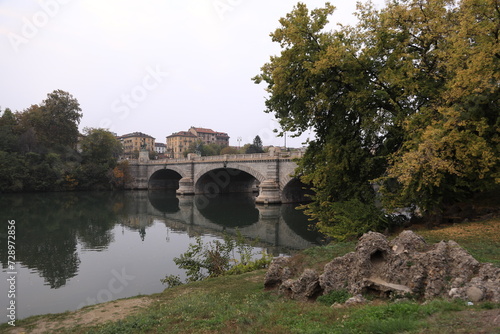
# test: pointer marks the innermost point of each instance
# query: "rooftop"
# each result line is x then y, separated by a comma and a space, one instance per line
202, 130
181, 134
135, 134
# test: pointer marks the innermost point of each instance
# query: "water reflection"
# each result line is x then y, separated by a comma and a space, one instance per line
51, 227
279, 228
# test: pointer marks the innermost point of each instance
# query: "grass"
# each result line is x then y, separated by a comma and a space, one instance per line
481, 239
239, 303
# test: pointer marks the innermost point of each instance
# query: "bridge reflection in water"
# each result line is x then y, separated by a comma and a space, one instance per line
278, 228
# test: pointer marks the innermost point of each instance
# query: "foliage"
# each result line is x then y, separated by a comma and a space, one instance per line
171, 281
216, 258
38, 149
229, 150
407, 99
334, 296
120, 175
100, 151
55, 120
255, 147
204, 149
100, 146
242, 267
8, 136
201, 261
352, 219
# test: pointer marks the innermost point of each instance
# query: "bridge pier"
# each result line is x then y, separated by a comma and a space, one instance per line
269, 193
186, 186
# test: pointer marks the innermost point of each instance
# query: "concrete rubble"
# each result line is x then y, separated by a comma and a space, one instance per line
405, 266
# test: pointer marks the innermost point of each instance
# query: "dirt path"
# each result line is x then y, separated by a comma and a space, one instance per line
101, 313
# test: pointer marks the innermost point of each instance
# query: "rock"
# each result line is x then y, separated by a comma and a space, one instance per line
278, 272
337, 273
408, 241
454, 293
406, 265
475, 294
305, 287
356, 300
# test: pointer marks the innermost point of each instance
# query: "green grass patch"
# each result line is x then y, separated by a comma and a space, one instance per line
335, 296
239, 304
481, 239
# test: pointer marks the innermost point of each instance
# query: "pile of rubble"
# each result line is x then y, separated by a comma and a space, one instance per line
405, 266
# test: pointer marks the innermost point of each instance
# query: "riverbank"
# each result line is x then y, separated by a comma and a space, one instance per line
239, 304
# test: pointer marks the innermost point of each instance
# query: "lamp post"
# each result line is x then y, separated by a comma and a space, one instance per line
239, 142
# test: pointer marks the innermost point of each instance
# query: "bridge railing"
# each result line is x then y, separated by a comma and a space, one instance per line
227, 157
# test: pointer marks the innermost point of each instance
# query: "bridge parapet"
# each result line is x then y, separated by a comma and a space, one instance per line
225, 157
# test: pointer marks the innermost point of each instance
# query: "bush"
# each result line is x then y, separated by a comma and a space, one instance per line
216, 258
335, 296
350, 219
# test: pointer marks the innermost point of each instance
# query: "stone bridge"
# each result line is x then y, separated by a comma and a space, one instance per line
269, 174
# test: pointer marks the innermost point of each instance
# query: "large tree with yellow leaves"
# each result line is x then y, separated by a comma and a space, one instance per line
408, 99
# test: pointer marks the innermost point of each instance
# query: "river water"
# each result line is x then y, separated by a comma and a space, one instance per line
78, 249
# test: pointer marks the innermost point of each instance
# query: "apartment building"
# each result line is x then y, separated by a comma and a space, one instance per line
133, 142
209, 136
178, 143
160, 148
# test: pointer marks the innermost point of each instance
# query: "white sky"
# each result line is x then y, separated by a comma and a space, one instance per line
154, 66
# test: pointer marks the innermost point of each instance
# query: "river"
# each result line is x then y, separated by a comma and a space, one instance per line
77, 249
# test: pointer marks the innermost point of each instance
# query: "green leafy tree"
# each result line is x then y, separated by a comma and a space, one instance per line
9, 138
321, 80
100, 146
61, 114
54, 123
100, 151
256, 146
12, 172
203, 149
229, 150
452, 146
393, 99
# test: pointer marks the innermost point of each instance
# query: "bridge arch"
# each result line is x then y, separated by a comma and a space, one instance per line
239, 167
164, 178
294, 191
212, 180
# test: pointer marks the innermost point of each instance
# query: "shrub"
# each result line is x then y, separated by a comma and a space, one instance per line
216, 258
335, 296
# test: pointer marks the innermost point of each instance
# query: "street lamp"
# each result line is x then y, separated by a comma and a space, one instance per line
239, 141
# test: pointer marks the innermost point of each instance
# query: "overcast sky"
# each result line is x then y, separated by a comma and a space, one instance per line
154, 66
